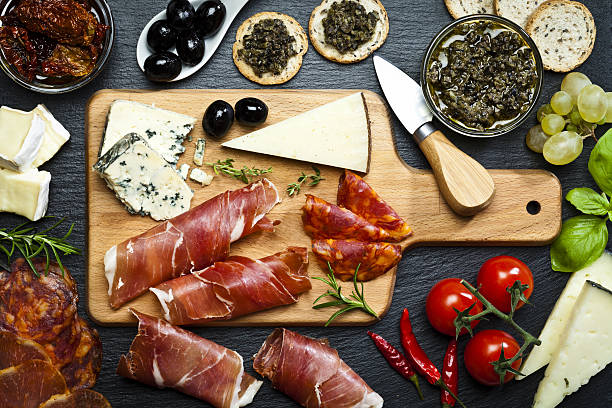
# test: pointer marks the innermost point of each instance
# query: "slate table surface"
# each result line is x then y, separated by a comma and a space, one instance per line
413, 24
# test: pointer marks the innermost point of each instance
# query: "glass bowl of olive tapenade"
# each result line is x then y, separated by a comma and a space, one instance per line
54, 47
481, 75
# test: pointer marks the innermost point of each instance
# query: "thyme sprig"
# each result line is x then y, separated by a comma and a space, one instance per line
355, 300
30, 243
244, 174
463, 321
294, 188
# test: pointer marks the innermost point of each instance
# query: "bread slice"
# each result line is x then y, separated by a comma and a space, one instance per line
516, 10
317, 32
462, 8
564, 32
293, 65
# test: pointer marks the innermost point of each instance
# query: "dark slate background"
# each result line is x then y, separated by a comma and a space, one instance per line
413, 24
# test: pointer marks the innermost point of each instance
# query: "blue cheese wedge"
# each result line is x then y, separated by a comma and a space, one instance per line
163, 130
584, 350
198, 156
201, 177
54, 137
144, 182
336, 134
184, 171
25, 193
21, 135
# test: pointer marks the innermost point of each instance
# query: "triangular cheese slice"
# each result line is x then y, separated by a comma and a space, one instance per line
336, 134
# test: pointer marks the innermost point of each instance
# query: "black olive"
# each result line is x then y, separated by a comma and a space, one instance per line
161, 36
163, 66
190, 47
251, 111
181, 14
218, 119
209, 17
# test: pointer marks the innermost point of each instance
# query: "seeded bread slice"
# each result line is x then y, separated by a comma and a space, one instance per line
564, 32
516, 10
317, 32
461, 8
293, 64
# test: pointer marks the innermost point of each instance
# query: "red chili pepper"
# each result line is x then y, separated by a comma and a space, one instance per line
450, 374
396, 360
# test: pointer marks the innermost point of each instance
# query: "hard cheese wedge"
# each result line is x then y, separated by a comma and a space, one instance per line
54, 137
21, 135
336, 134
25, 193
584, 350
600, 272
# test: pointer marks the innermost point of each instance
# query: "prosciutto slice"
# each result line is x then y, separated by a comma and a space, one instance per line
311, 373
235, 287
373, 258
163, 356
188, 242
357, 195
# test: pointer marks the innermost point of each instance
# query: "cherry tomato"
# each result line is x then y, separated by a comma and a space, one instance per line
443, 298
484, 348
499, 273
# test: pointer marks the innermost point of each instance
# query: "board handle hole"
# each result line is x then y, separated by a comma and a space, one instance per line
533, 207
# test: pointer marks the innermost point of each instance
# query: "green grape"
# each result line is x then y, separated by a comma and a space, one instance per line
609, 111
592, 103
575, 117
561, 102
553, 124
562, 148
543, 111
573, 84
571, 128
536, 138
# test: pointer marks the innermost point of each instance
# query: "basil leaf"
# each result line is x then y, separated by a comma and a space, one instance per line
582, 240
588, 201
600, 163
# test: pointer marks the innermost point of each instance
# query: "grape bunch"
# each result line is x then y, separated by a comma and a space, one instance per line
571, 116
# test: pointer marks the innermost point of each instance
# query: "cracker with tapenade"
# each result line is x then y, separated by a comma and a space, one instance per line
257, 60
462, 8
564, 32
517, 10
333, 25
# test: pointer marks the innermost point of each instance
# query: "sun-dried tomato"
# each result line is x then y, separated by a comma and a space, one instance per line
67, 60
19, 50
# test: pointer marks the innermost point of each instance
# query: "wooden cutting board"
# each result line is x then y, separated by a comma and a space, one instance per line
411, 192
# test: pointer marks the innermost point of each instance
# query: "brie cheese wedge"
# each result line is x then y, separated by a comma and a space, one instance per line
21, 135
54, 137
25, 193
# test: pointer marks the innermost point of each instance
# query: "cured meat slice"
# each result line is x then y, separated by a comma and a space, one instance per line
357, 195
325, 220
83, 369
77, 399
63, 348
189, 242
30, 384
15, 350
163, 355
34, 307
235, 287
311, 373
373, 258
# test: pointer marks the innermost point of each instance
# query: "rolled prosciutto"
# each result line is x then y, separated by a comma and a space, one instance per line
311, 373
344, 256
188, 242
235, 287
357, 195
165, 356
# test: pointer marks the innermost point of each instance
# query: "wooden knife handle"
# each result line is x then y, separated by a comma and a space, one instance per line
467, 186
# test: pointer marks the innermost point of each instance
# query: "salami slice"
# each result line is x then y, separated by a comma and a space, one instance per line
15, 350
357, 195
311, 373
77, 399
373, 258
30, 384
163, 356
83, 369
235, 287
63, 348
189, 242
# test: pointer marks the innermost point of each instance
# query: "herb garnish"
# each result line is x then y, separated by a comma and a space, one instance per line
356, 299
244, 174
294, 188
32, 243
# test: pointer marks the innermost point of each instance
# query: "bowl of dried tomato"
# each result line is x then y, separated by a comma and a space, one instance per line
55, 46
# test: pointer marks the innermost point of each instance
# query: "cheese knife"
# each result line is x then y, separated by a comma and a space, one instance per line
464, 183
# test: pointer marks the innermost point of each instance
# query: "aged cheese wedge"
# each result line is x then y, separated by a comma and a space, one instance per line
584, 350
26, 193
54, 137
336, 134
21, 135
600, 272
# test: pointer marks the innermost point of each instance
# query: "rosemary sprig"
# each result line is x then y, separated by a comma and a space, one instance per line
355, 300
294, 188
463, 320
244, 174
31, 244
